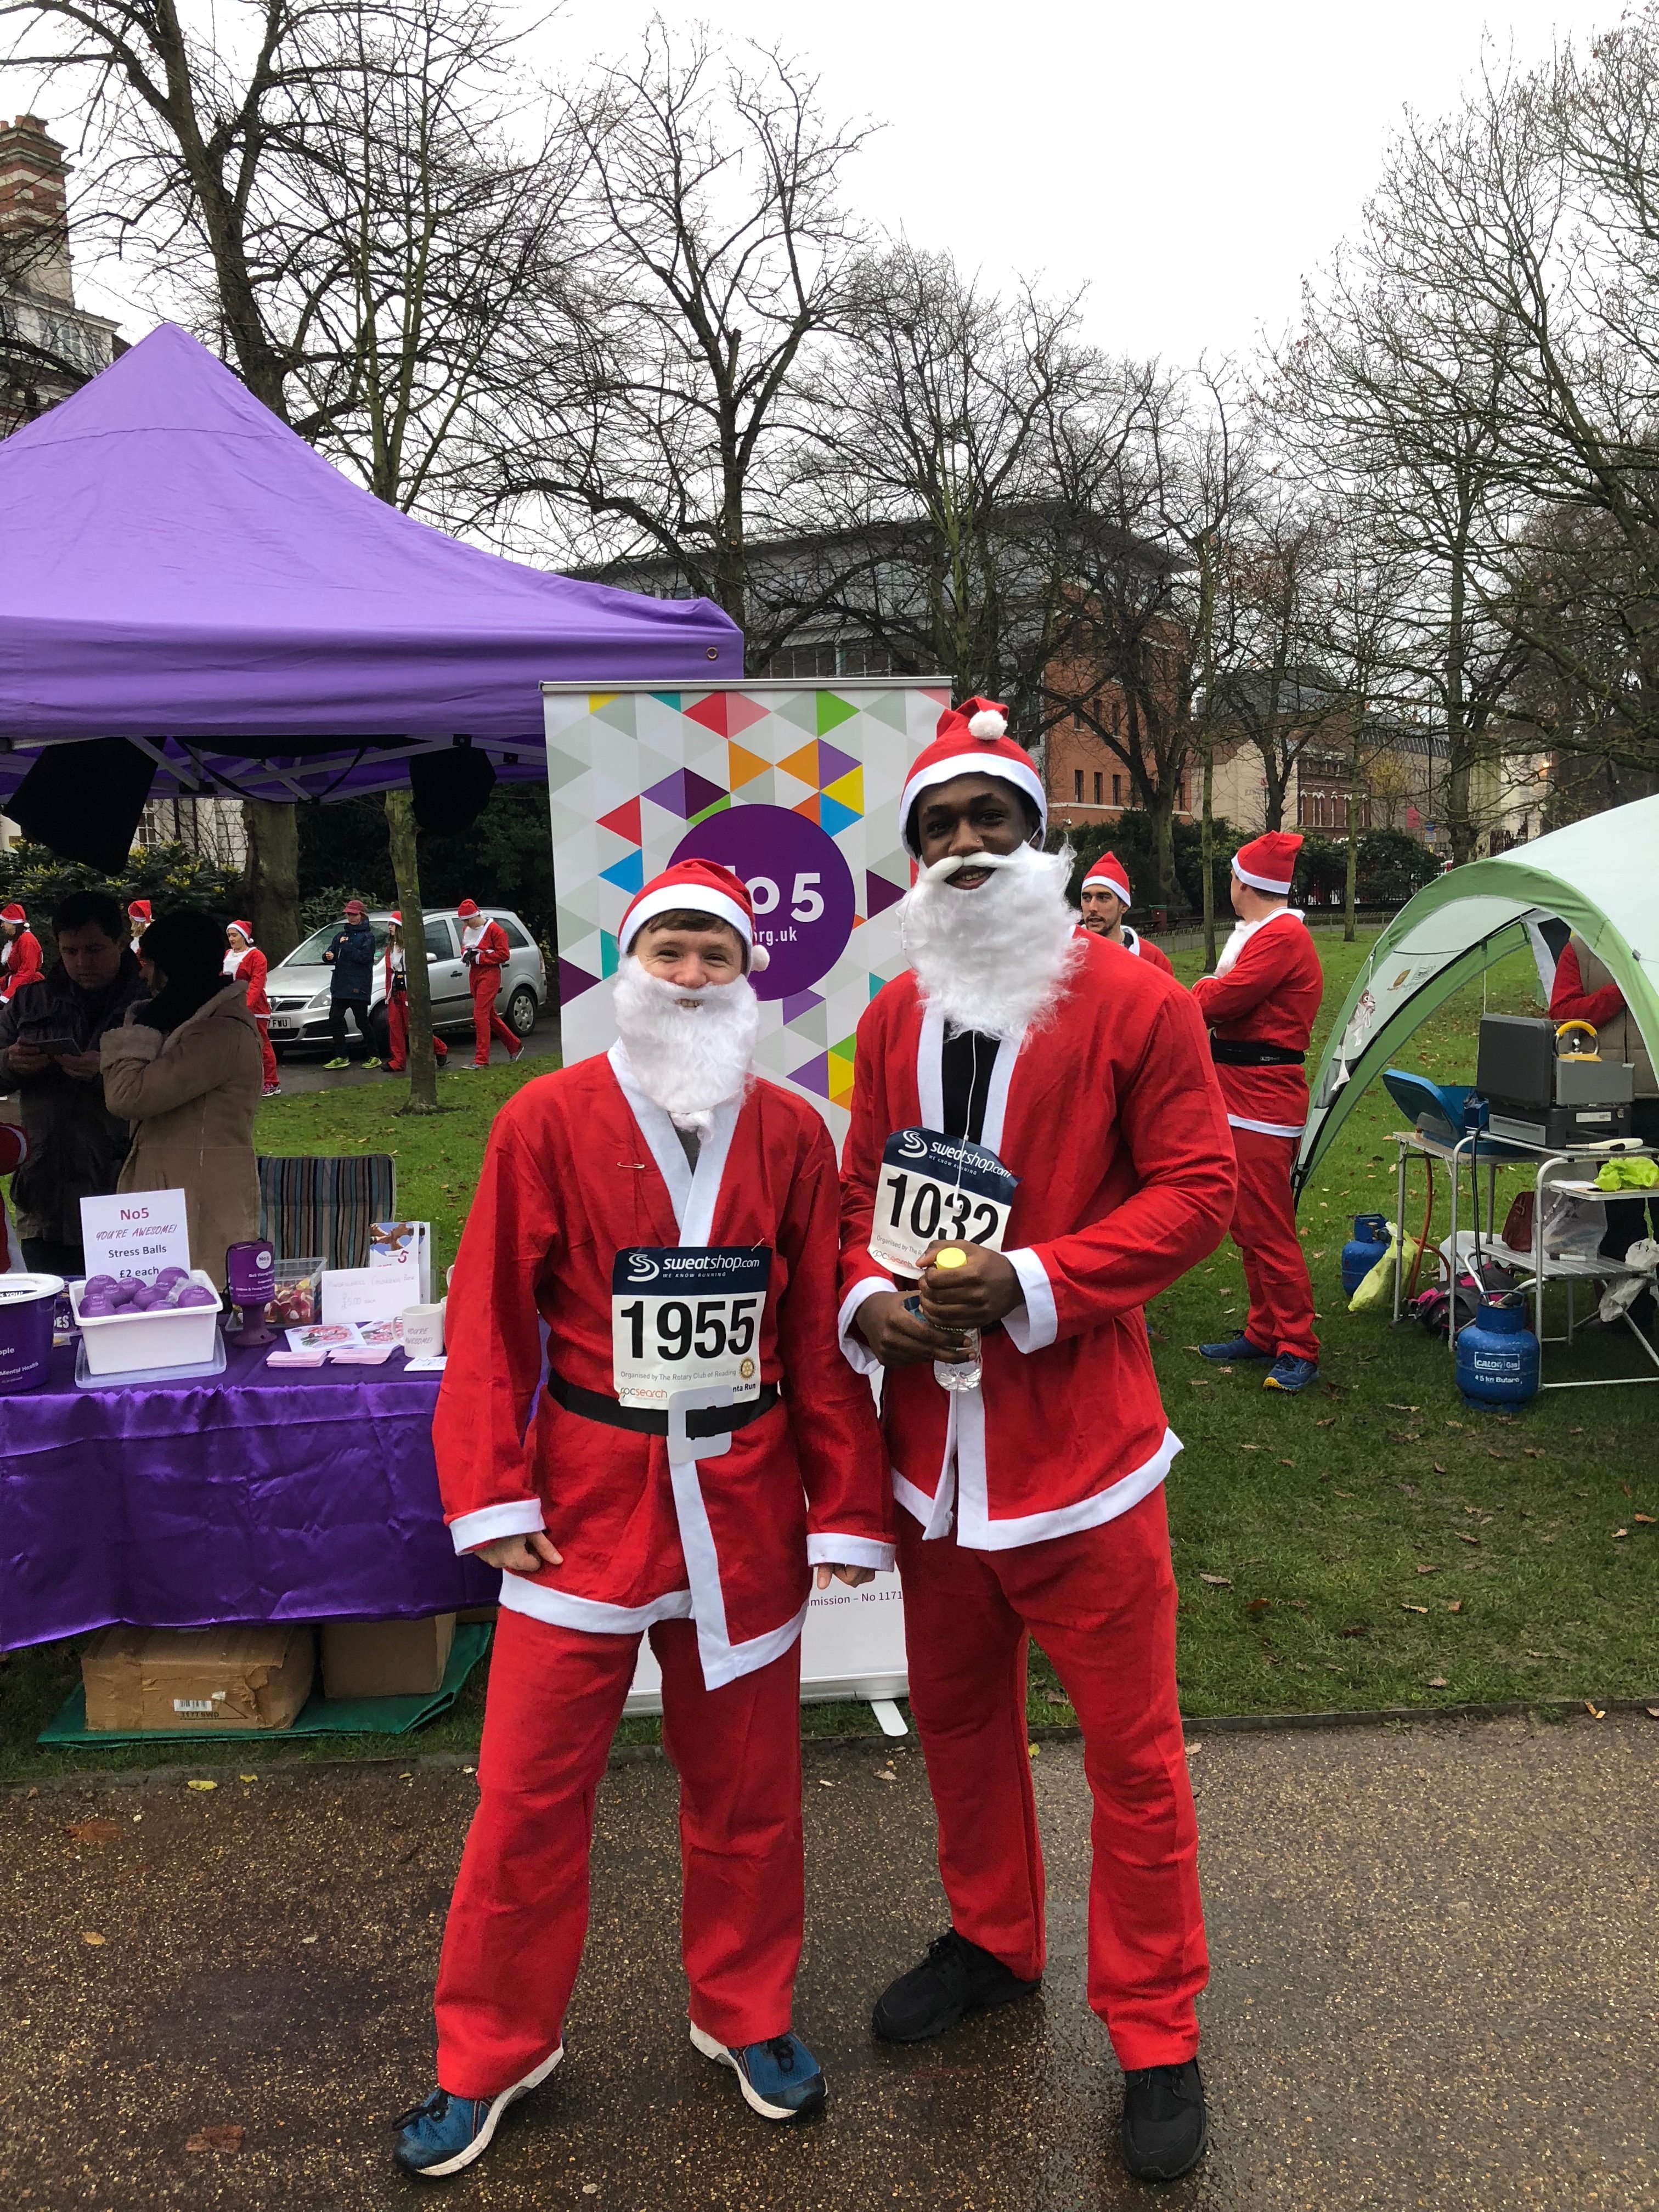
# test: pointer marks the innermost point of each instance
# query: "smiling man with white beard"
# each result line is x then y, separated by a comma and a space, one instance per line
697, 1448
1037, 1148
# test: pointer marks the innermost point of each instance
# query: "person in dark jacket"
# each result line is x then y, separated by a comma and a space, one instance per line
50, 1033
351, 955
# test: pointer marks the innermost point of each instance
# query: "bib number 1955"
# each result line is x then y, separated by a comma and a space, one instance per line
937, 1189
686, 1316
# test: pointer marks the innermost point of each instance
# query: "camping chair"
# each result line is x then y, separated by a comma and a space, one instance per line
310, 1207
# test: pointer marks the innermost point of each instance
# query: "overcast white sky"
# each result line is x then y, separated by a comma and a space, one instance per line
1189, 162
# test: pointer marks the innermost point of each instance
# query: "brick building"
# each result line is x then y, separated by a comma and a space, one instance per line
49, 347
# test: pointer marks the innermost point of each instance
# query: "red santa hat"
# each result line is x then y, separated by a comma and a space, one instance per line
139, 911
1268, 862
696, 887
971, 739
468, 909
1109, 874
13, 913
244, 928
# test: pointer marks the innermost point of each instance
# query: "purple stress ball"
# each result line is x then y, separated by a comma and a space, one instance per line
129, 1284
196, 1294
97, 1286
96, 1307
169, 1276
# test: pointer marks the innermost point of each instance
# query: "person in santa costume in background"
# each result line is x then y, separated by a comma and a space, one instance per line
244, 961
138, 920
1024, 1064
19, 955
663, 1166
1107, 899
1259, 1006
485, 949
396, 975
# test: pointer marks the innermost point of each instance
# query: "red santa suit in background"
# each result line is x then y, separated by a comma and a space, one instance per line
138, 915
1109, 874
589, 1186
395, 973
20, 957
249, 966
1033, 1505
1260, 1007
485, 949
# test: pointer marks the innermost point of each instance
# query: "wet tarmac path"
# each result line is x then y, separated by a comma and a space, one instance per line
1434, 1985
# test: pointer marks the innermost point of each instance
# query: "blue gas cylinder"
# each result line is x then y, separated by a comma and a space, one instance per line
1368, 1244
1497, 1356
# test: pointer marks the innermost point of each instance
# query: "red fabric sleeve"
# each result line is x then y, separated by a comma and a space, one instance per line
1255, 976
491, 1327
860, 1157
1174, 1129
843, 1462
493, 949
1570, 1002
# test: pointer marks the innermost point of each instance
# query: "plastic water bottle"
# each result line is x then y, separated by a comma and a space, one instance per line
958, 1374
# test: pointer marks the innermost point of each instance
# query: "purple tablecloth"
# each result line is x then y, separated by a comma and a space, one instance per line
265, 1494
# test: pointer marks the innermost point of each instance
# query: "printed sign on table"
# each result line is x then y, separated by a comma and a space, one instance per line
138, 1232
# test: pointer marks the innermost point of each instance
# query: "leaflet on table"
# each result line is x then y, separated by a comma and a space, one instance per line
406, 1246
138, 1232
686, 1316
935, 1189
371, 1299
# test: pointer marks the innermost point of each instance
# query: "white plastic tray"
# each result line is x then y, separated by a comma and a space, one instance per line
133, 1378
147, 1343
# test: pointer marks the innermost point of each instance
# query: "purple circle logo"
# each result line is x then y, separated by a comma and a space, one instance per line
801, 886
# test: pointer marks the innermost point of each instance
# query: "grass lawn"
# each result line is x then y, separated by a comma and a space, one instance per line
1372, 1543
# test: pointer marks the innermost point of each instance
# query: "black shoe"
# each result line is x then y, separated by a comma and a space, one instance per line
955, 1976
1166, 2130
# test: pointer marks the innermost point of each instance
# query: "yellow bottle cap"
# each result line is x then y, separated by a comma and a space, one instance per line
951, 1256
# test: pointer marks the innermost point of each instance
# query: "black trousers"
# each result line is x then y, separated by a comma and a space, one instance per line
337, 1009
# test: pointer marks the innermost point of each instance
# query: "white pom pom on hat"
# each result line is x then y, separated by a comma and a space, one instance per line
988, 724
759, 959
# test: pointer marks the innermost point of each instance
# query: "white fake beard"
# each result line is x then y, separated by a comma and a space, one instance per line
995, 960
687, 1059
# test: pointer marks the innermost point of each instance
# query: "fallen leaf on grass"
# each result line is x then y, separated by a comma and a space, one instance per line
1618, 1533
228, 2138
88, 1936
1533, 1451
1193, 1749
1428, 1571
1055, 1697
1454, 1604
1393, 1408
1653, 1713
1414, 1608
1250, 1448
1492, 1452
1259, 1605
201, 1785
1438, 1468
1218, 1581
1358, 1629
1646, 1520
1595, 1710
1329, 1423
93, 1832
1198, 1382
1439, 1682
1465, 1537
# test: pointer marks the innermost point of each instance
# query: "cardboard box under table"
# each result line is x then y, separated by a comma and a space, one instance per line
385, 1658
138, 1681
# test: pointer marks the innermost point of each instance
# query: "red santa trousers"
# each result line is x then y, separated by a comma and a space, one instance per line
519, 1916
1281, 1315
1102, 1603
397, 1030
484, 983
265, 1052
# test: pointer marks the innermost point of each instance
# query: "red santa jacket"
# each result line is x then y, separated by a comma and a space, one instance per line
253, 969
1270, 995
1110, 1115
1135, 943
581, 1166
487, 952
1570, 1002
20, 961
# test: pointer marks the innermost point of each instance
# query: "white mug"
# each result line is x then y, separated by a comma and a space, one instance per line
423, 1332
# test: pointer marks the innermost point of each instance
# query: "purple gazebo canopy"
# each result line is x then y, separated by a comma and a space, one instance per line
186, 572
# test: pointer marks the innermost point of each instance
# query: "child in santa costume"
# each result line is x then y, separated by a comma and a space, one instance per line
1259, 1006
138, 918
395, 974
1045, 1105
244, 961
485, 950
1107, 899
19, 955
697, 1446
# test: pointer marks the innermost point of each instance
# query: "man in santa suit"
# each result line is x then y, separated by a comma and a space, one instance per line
657, 1212
19, 955
485, 950
248, 965
1042, 1102
1106, 899
1259, 1006
138, 920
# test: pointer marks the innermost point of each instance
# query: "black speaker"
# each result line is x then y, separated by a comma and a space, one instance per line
451, 789
84, 800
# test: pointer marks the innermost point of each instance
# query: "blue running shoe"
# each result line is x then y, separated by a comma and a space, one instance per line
1236, 1347
1290, 1373
779, 2080
446, 2133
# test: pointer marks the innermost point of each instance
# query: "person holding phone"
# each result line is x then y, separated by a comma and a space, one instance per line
50, 1033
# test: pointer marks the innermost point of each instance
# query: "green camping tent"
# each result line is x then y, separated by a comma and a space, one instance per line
1599, 877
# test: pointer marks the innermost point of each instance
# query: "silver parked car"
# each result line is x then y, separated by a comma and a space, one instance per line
298, 987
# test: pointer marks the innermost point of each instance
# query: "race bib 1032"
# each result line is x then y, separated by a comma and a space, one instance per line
686, 1316
934, 1189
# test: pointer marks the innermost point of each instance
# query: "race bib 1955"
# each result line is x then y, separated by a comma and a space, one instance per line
686, 1317
935, 1189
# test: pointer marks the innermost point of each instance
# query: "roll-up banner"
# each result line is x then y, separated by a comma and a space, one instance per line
794, 786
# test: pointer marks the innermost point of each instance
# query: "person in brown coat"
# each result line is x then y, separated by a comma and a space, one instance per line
185, 1071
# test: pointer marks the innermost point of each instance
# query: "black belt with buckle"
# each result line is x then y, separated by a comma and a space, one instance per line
646, 1421
1243, 1052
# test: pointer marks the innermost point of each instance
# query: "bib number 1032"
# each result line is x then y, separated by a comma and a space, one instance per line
935, 1189
686, 1316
